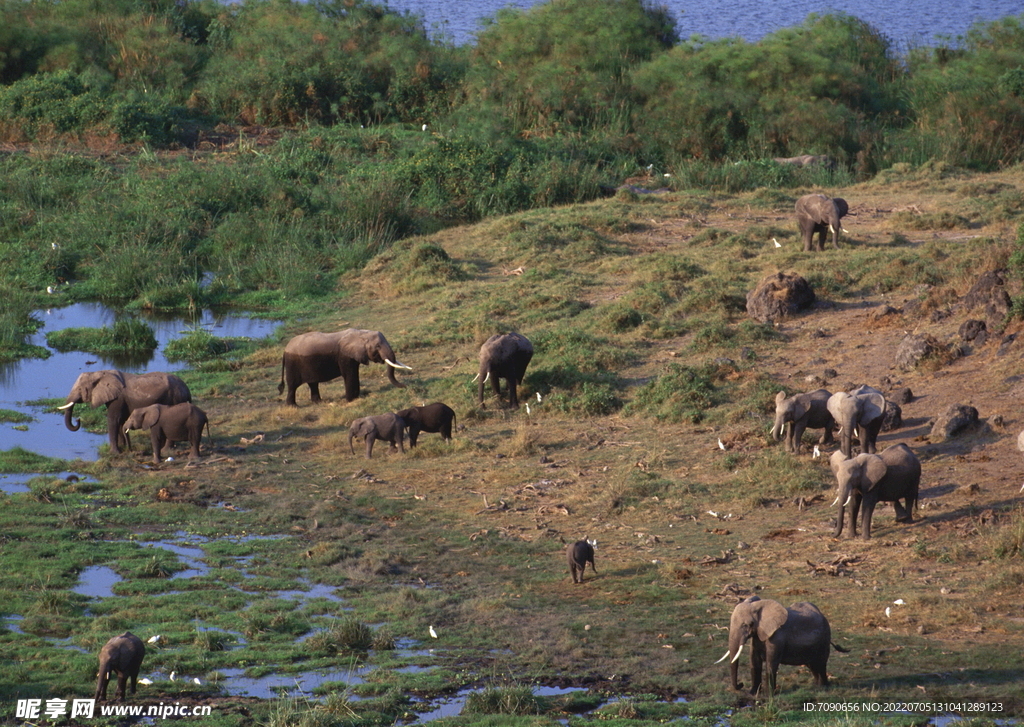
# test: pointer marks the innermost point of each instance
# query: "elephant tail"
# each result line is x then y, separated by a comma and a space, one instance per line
839, 648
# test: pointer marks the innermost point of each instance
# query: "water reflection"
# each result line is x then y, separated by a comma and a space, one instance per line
33, 379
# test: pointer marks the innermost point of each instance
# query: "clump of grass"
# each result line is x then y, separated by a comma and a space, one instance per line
200, 345
515, 700
17, 460
127, 335
345, 635
1008, 540
636, 486
412, 268
9, 416
682, 393
210, 641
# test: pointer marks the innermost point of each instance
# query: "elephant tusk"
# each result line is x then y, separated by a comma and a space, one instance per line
831, 228
847, 500
66, 406
394, 365
487, 378
724, 657
738, 652
834, 501
475, 378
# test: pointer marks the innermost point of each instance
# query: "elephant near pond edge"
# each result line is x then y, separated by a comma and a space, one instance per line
121, 655
797, 636
122, 393
313, 358
504, 356
178, 423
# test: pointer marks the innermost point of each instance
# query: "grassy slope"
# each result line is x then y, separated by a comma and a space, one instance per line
484, 523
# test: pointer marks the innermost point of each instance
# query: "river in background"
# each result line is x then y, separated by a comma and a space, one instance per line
907, 24
30, 379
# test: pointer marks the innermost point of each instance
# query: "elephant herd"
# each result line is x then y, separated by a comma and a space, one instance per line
161, 402
863, 480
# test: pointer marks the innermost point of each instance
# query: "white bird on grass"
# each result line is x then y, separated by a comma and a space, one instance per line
195, 680
432, 632
173, 674
154, 639
721, 446
887, 611
817, 452
527, 408
777, 243
145, 681
538, 397
899, 602
50, 289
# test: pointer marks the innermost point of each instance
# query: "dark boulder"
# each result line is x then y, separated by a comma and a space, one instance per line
957, 419
778, 296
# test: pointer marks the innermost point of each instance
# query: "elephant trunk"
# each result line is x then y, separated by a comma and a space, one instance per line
350, 436
69, 409
777, 429
735, 647
843, 500
391, 375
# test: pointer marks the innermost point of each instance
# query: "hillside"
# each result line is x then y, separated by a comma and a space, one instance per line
645, 363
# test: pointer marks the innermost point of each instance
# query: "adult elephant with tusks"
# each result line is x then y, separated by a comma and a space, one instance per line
800, 411
504, 356
797, 636
122, 393
860, 412
819, 215
315, 357
867, 479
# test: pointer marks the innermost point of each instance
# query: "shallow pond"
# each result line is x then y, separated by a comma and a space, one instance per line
236, 683
97, 581
13, 484
32, 379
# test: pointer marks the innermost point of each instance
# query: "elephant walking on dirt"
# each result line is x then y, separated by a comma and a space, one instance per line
389, 427
504, 356
868, 479
122, 655
819, 215
176, 423
800, 411
797, 636
122, 394
313, 358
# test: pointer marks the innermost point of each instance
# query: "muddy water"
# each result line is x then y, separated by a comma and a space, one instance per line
31, 379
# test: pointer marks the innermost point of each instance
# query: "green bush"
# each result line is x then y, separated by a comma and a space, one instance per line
682, 393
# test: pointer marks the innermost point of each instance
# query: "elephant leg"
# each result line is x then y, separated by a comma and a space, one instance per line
314, 392
414, 433
446, 432
826, 436
350, 373
194, 440
820, 671
756, 666
798, 436
369, 445
513, 398
122, 681
866, 515
855, 505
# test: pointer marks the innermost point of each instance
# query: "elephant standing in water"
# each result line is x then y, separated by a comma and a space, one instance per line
504, 356
798, 636
122, 394
122, 655
312, 358
818, 214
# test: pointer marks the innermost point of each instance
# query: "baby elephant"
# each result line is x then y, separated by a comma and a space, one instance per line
436, 417
122, 655
170, 424
389, 427
579, 554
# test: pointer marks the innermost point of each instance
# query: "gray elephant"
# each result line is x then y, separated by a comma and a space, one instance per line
122, 655
436, 417
868, 479
797, 636
796, 413
122, 394
504, 356
313, 358
818, 214
176, 423
389, 427
860, 412
579, 554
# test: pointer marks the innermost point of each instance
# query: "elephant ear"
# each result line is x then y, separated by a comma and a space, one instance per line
873, 407
773, 616
836, 403
841, 206
799, 409
107, 388
150, 416
780, 397
874, 470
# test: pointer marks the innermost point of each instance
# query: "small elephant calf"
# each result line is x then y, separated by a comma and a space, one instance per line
579, 554
122, 655
436, 417
175, 423
389, 427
